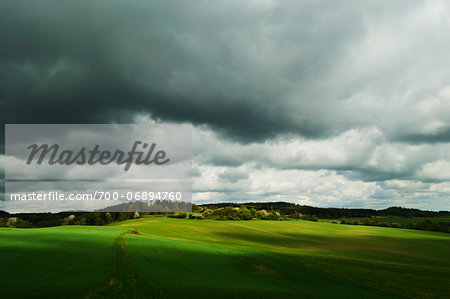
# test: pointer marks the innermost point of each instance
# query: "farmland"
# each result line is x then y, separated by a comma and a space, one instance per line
168, 258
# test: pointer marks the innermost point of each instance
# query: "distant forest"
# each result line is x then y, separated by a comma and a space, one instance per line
150, 206
329, 213
283, 210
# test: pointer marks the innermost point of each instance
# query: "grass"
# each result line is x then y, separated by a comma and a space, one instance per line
198, 270
55, 262
384, 258
206, 258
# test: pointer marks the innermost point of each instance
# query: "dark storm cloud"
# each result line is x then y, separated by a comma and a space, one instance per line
248, 70
251, 70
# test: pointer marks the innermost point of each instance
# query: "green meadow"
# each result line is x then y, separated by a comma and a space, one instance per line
158, 257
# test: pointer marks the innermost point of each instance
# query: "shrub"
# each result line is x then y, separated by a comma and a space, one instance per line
182, 215
343, 221
136, 215
355, 222
310, 218
178, 215
384, 224
208, 213
198, 217
335, 222
375, 221
296, 215
396, 225
228, 213
366, 221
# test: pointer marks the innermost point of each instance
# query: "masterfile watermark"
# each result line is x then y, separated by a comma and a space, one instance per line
53, 168
103, 157
98, 195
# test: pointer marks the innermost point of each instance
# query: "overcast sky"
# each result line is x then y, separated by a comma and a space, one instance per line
325, 103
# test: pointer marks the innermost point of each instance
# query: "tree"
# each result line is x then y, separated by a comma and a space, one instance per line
244, 214
274, 215
207, 213
108, 218
12, 222
69, 220
263, 214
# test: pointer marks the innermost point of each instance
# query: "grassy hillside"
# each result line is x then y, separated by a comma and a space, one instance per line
207, 258
55, 262
188, 269
385, 258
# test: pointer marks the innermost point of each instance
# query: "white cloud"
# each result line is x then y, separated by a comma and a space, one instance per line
337, 171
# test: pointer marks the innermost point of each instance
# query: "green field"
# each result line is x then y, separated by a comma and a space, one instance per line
208, 258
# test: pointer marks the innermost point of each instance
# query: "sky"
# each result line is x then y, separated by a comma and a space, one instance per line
323, 103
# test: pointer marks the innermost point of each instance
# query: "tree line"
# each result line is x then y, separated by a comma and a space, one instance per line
327, 213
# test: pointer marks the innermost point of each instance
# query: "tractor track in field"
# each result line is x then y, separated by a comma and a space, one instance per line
122, 283
122, 262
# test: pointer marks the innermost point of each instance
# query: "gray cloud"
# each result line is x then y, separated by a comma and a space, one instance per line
443, 136
233, 176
